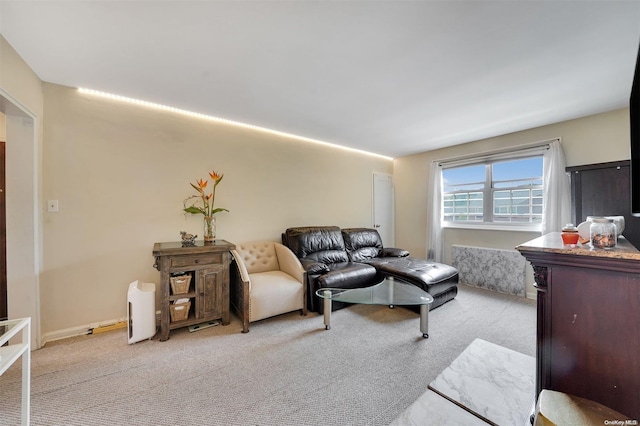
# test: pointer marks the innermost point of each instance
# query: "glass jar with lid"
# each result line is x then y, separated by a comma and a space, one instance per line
570, 235
603, 233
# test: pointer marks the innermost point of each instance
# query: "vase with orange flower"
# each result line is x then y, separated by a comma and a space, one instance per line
203, 203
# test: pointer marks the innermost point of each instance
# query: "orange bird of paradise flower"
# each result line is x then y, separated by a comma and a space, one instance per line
207, 200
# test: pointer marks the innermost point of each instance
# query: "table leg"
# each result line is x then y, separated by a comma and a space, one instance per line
26, 377
424, 320
327, 313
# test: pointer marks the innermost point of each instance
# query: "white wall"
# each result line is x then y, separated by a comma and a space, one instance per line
595, 139
121, 173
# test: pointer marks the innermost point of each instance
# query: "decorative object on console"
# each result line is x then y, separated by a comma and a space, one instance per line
584, 229
618, 220
188, 240
207, 201
209, 228
603, 233
570, 235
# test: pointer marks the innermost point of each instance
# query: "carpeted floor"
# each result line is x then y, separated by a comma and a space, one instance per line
287, 370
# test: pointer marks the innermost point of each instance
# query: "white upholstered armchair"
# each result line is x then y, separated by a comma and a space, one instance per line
268, 280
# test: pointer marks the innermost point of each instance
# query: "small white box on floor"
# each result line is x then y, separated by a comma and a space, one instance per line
141, 311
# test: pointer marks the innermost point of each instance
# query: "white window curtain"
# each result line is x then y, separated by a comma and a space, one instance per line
557, 193
434, 210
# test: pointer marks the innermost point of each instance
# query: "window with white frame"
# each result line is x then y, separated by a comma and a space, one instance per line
504, 192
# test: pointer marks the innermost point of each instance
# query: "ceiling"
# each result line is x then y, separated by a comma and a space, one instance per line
390, 77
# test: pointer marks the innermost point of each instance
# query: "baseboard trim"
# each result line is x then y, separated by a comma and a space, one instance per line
80, 330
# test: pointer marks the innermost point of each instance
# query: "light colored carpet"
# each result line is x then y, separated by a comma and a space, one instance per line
287, 370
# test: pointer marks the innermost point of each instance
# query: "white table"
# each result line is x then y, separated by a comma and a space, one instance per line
11, 352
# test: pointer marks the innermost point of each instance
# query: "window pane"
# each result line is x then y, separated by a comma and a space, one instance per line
528, 182
518, 169
463, 178
521, 194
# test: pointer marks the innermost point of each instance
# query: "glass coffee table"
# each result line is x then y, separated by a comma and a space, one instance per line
392, 291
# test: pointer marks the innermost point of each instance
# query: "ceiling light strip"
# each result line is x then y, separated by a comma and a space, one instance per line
222, 120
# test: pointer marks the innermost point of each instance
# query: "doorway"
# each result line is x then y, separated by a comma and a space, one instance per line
383, 208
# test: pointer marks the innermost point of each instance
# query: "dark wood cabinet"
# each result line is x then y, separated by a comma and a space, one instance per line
603, 189
588, 332
208, 291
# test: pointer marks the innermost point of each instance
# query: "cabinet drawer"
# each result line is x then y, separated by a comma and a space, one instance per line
195, 260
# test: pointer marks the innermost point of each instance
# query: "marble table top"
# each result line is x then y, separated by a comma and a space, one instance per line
433, 410
495, 383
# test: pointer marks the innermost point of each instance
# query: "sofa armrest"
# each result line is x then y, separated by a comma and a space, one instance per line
394, 252
314, 268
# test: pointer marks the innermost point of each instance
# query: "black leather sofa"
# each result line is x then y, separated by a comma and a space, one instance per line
355, 257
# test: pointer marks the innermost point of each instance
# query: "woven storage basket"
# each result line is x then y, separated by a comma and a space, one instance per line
180, 284
180, 311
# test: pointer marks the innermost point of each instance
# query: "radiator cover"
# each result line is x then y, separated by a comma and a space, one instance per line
493, 269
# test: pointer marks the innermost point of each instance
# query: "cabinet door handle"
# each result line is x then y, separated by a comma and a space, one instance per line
202, 294
197, 261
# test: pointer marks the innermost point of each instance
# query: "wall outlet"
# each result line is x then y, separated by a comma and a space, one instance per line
52, 205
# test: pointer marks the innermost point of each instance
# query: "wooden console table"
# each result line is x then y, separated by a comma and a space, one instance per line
588, 336
208, 292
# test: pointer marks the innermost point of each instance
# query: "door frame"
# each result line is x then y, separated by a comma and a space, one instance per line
23, 282
4, 312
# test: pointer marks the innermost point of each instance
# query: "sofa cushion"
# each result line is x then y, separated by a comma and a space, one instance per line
319, 243
362, 243
348, 275
273, 293
258, 256
418, 271
328, 256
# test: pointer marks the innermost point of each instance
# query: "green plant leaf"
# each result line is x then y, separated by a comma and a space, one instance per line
194, 210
